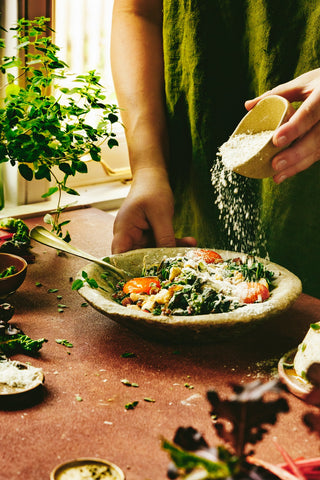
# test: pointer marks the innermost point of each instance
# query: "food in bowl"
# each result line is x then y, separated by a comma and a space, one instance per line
13, 271
198, 282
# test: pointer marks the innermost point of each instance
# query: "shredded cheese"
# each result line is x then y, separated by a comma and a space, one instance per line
14, 376
240, 148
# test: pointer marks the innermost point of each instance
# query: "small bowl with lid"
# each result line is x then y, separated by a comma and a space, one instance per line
13, 270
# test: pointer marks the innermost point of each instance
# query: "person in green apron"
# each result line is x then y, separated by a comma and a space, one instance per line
183, 70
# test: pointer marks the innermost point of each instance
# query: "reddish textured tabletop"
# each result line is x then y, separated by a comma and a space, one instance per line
82, 412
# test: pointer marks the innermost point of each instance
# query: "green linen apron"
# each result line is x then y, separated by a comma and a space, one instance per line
219, 53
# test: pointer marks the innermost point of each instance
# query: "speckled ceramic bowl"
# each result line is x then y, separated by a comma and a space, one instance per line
195, 328
13, 282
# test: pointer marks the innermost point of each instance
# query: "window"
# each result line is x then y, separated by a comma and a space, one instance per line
82, 31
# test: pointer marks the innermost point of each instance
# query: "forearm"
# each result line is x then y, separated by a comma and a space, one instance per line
137, 65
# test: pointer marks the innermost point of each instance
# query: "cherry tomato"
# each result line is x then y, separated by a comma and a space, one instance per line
208, 256
250, 292
142, 285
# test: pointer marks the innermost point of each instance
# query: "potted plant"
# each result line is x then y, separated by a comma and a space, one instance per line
42, 132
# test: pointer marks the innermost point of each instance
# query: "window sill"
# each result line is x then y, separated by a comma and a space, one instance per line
107, 196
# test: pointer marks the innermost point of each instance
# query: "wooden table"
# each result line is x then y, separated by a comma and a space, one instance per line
83, 410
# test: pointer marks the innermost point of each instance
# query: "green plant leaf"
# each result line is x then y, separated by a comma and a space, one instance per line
43, 172
69, 190
25, 171
113, 118
65, 168
112, 142
77, 284
51, 191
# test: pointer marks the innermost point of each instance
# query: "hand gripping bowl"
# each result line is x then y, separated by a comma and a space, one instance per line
201, 328
267, 115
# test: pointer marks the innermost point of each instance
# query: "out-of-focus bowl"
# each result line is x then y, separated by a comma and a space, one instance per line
11, 283
193, 328
87, 468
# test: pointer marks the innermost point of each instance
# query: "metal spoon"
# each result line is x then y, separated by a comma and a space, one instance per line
42, 235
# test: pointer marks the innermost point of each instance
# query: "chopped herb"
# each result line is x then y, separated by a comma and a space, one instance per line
52, 290
64, 342
77, 284
315, 326
129, 384
59, 297
80, 282
78, 398
128, 355
8, 272
84, 304
150, 400
60, 305
304, 376
188, 386
131, 406
38, 284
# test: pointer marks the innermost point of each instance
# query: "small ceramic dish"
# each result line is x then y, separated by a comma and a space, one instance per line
267, 115
23, 393
86, 468
11, 283
287, 374
9, 390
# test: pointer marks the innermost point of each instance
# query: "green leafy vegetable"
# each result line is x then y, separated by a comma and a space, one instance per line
20, 343
64, 342
128, 383
20, 242
131, 406
8, 272
128, 355
85, 280
252, 270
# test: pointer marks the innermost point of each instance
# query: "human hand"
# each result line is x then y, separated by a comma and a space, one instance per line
145, 217
301, 133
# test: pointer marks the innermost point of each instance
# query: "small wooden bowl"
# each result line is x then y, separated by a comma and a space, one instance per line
13, 282
268, 114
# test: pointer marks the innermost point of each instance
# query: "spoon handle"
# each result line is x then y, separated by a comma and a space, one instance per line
42, 235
